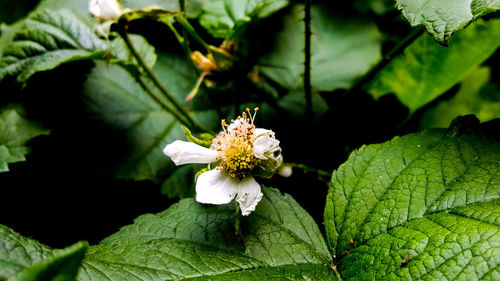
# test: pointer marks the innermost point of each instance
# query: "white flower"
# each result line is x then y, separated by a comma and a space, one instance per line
239, 151
106, 10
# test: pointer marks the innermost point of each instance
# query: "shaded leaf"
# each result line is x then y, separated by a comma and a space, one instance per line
470, 99
342, 49
419, 207
15, 132
425, 69
443, 18
62, 265
46, 40
13, 10
219, 17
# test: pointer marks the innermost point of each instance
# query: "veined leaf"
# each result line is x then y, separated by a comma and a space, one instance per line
443, 18
476, 96
15, 132
424, 206
62, 265
342, 49
425, 69
46, 40
219, 17
113, 96
191, 241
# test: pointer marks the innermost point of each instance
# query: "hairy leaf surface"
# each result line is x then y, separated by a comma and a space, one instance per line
443, 18
15, 132
423, 206
46, 40
191, 241
425, 69
62, 265
342, 49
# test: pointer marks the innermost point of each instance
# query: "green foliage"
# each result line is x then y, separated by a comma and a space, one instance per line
422, 206
62, 265
343, 48
476, 96
13, 10
443, 18
191, 240
219, 17
15, 132
425, 69
46, 40
113, 96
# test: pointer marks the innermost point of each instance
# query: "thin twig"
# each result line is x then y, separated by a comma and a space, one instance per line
156, 82
398, 49
307, 61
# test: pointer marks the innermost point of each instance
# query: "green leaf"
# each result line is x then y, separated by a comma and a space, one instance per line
219, 17
46, 40
122, 55
425, 69
342, 49
192, 240
443, 18
15, 132
18, 253
419, 207
114, 97
62, 265
476, 96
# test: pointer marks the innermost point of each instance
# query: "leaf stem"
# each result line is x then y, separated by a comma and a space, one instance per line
399, 48
321, 173
307, 61
334, 267
156, 82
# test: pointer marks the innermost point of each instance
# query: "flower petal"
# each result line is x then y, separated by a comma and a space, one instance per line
216, 187
249, 195
183, 152
105, 9
265, 144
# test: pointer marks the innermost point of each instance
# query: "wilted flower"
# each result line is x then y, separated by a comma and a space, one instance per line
236, 155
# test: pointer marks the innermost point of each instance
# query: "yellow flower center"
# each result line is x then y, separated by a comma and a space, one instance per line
235, 146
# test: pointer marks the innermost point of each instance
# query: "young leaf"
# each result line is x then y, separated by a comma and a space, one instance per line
342, 49
422, 206
219, 17
15, 132
476, 96
46, 40
62, 265
443, 18
425, 69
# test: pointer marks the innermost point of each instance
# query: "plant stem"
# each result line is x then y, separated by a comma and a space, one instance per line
334, 267
399, 48
321, 173
192, 125
159, 101
190, 29
307, 61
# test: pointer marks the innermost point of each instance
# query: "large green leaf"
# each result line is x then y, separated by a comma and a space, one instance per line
15, 132
342, 49
443, 18
425, 69
476, 96
114, 97
46, 40
219, 17
191, 241
424, 206
62, 265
